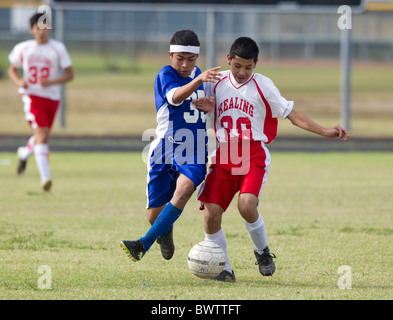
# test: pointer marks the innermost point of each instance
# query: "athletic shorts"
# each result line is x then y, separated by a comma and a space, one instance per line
40, 112
221, 184
161, 181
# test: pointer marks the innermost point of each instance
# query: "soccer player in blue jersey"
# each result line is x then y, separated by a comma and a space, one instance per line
178, 155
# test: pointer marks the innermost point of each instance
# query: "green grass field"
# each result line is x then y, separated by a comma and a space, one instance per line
322, 211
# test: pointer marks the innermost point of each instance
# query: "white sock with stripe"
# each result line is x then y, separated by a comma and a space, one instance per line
27, 151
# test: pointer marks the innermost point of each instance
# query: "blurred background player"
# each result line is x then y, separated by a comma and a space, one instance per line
42, 61
178, 155
247, 106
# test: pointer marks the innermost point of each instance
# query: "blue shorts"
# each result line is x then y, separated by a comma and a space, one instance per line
161, 181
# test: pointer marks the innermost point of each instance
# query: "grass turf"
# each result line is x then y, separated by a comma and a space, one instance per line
322, 211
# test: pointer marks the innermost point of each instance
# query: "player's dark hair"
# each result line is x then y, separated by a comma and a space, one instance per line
185, 38
34, 18
244, 48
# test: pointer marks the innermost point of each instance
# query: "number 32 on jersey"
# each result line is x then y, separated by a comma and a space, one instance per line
36, 74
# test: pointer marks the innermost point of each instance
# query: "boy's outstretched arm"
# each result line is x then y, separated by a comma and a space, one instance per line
184, 92
303, 122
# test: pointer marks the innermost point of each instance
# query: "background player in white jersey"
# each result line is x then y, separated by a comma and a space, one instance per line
42, 61
247, 106
178, 155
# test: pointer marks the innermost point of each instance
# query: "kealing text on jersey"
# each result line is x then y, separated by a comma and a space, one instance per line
233, 103
198, 309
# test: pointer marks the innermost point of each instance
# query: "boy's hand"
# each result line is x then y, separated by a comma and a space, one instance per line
211, 75
337, 131
22, 84
44, 82
205, 104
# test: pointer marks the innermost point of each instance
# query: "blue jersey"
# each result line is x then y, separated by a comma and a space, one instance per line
181, 128
181, 142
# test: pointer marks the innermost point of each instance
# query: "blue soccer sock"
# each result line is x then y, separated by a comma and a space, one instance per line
162, 225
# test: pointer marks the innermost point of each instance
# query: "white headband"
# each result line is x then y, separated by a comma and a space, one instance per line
178, 48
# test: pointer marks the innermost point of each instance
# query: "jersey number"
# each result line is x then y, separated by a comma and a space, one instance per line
242, 129
193, 115
36, 74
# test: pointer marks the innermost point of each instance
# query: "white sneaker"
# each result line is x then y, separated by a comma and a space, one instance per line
21, 163
20, 152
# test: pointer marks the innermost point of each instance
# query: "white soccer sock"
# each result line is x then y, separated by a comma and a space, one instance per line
27, 151
219, 239
257, 232
41, 154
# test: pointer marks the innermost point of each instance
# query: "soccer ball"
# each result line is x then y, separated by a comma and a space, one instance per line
206, 260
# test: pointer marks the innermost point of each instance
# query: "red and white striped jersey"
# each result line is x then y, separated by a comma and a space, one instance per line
40, 61
247, 111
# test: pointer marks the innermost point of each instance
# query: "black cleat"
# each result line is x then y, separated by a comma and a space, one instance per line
21, 167
134, 249
166, 245
226, 276
46, 185
265, 262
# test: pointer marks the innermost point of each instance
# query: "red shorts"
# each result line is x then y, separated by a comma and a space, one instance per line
40, 112
221, 184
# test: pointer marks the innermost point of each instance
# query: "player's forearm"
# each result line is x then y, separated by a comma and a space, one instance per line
182, 93
13, 74
306, 123
67, 76
185, 91
62, 79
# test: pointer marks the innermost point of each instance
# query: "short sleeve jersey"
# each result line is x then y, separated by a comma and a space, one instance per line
248, 110
182, 126
41, 61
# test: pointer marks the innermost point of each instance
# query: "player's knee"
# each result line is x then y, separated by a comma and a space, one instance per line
187, 192
247, 208
184, 192
41, 135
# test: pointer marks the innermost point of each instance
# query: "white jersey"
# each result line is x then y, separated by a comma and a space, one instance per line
247, 111
41, 61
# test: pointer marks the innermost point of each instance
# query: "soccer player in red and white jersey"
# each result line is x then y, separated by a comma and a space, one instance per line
46, 65
246, 109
